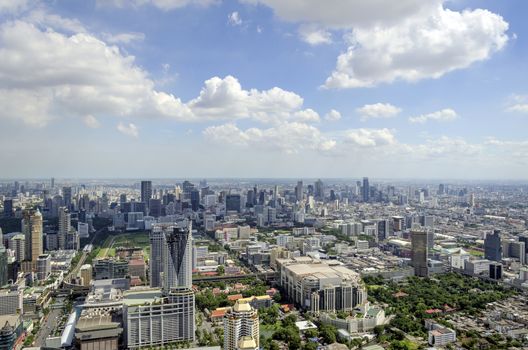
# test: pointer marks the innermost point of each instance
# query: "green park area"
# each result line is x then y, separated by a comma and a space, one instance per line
413, 301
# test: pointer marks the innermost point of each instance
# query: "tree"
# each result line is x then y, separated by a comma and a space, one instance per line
289, 320
328, 333
220, 270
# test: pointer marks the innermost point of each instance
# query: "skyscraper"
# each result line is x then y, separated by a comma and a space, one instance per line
233, 202
420, 252
177, 259
241, 323
366, 189
493, 246
319, 189
32, 230
67, 196
64, 226
146, 192
157, 245
8, 208
299, 191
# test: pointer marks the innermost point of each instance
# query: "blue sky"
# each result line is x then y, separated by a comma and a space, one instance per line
264, 88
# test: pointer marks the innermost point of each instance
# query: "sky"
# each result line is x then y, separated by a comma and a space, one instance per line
264, 88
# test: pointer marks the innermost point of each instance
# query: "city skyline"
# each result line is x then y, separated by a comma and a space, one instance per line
246, 88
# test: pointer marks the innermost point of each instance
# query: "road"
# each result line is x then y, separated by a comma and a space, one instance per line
47, 327
74, 272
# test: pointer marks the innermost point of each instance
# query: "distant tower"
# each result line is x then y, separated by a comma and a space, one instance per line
319, 189
64, 226
67, 196
420, 252
36, 236
493, 246
299, 191
241, 327
366, 189
146, 192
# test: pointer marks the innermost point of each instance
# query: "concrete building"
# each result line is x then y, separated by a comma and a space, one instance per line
17, 244
11, 302
241, 327
493, 246
11, 328
109, 268
95, 330
154, 319
319, 287
439, 335
86, 273
177, 258
420, 252
43, 266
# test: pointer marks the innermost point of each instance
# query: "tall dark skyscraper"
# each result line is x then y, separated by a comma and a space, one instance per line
366, 189
319, 189
233, 202
146, 191
420, 252
177, 259
67, 197
195, 199
493, 246
299, 191
8, 208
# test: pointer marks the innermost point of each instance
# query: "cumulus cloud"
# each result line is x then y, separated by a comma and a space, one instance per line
419, 48
370, 137
518, 104
407, 40
123, 38
378, 110
78, 75
13, 6
91, 122
165, 5
332, 116
285, 137
314, 35
443, 115
234, 19
128, 129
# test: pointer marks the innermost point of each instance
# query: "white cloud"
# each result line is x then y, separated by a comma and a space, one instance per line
443, 115
13, 6
389, 40
378, 110
128, 129
518, 104
44, 19
123, 38
225, 99
285, 137
332, 116
314, 36
165, 5
419, 48
346, 13
91, 122
78, 75
234, 19
370, 137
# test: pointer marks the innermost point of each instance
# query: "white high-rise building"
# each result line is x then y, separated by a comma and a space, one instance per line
241, 326
17, 244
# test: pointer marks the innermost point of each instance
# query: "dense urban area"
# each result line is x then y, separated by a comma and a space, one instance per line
263, 264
